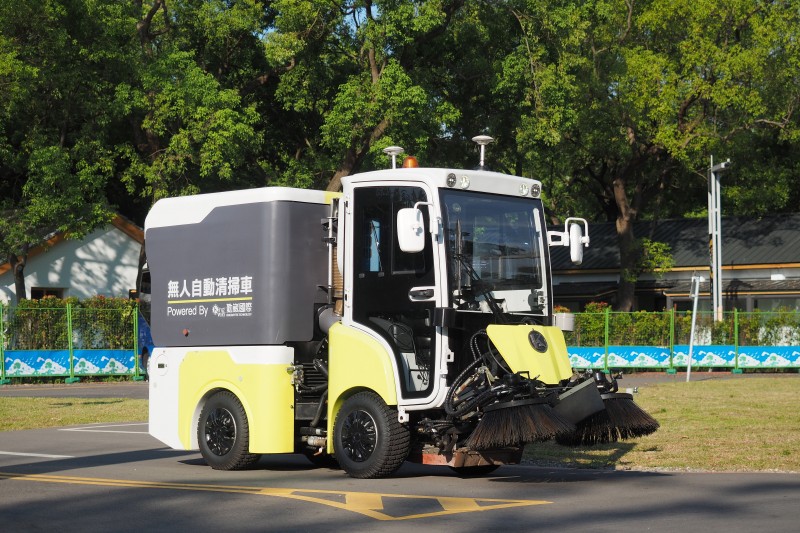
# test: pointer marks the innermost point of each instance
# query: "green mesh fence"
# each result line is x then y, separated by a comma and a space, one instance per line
54, 338
96, 329
770, 328
36, 329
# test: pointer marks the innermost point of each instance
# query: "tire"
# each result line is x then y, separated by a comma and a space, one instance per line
223, 433
474, 471
369, 442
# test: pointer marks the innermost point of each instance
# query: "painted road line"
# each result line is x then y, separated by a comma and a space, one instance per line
45, 455
372, 505
101, 429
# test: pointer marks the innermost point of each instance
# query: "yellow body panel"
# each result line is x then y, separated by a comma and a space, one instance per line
265, 391
331, 196
356, 361
512, 341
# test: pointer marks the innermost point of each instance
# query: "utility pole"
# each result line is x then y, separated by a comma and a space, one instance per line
715, 234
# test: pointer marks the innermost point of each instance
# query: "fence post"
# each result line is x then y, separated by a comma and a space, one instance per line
605, 335
71, 378
736, 369
671, 369
3, 379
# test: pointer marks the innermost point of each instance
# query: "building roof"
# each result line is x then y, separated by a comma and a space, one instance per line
768, 241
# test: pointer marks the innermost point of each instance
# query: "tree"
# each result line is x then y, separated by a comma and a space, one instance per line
54, 155
186, 132
357, 74
623, 102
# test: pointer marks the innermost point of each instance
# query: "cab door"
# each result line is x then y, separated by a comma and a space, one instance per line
394, 292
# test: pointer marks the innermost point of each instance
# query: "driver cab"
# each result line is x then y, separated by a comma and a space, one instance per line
394, 291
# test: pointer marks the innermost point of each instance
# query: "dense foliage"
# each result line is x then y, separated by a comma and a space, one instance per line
666, 328
46, 324
616, 105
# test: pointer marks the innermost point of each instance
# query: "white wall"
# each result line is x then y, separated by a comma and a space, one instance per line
105, 263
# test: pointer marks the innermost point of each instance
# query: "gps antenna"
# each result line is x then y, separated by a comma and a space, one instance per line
393, 151
482, 140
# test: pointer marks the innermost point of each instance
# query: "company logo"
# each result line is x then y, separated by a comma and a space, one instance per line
537, 340
219, 296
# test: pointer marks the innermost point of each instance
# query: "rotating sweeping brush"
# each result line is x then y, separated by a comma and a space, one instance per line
621, 419
517, 422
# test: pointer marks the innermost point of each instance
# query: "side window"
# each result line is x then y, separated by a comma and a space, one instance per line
376, 238
372, 253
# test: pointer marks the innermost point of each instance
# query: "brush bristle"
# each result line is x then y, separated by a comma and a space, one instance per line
631, 420
620, 420
515, 426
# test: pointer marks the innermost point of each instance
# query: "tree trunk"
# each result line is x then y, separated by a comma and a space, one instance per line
628, 257
18, 268
355, 154
628, 253
351, 159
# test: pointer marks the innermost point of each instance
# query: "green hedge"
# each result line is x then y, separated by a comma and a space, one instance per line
46, 324
643, 328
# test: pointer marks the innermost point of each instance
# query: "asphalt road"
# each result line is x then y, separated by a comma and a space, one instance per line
116, 477
122, 389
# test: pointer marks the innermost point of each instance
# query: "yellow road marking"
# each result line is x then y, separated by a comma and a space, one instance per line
360, 501
365, 503
459, 504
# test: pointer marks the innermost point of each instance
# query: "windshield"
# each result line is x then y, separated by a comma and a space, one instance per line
494, 251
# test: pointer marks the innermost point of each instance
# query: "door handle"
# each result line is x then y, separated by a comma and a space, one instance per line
421, 293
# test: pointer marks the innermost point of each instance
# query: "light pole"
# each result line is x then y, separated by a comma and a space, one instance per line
715, 234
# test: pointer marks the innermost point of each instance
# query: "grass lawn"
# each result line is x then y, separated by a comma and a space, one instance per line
32, 413
719, 425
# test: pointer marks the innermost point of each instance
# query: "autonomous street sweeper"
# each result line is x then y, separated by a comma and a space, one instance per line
409, 317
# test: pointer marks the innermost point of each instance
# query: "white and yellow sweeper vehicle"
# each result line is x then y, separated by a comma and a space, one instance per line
407, 318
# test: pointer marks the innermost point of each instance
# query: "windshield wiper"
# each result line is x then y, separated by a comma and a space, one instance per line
483, 288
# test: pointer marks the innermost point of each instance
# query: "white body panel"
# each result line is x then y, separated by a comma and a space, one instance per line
193, 209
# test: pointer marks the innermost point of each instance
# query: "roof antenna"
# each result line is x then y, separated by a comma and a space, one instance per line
482, 140
393, 151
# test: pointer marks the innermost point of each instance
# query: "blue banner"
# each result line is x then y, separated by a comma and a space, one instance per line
702, 355
103, 362
55, 363
586, 356
619, 357
23, 363
769, 356
638, 357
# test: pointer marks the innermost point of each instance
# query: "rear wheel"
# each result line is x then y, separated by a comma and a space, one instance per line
223, 433
368, 440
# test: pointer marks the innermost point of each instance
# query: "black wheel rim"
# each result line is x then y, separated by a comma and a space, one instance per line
220, 431
359, 436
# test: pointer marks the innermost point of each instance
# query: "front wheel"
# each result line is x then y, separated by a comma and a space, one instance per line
369, 442
223, 433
